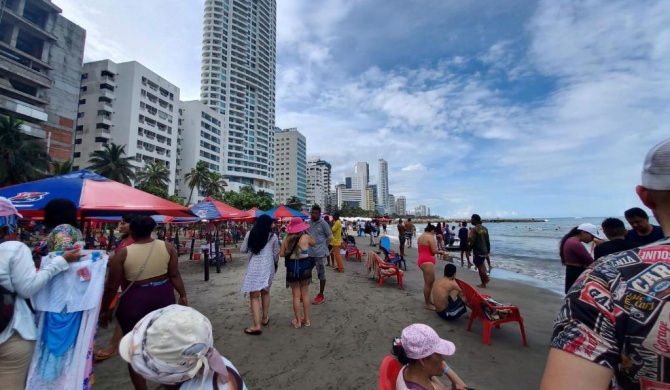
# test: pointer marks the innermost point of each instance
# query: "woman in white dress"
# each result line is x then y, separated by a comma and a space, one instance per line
263, 247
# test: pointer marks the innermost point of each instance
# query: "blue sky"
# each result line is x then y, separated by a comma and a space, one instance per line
513, 109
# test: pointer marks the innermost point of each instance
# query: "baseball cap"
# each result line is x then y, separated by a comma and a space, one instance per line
7, 208
656, 169
592, 229
420, 341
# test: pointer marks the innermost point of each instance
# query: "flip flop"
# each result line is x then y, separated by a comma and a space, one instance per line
101, 355
252, 332
266, 322
296, 324
307, 324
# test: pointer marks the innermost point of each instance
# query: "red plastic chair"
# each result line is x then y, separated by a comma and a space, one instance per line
475, 302
388, 270
388, 373
353, 251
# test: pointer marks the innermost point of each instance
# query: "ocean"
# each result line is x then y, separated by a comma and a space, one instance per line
525, 251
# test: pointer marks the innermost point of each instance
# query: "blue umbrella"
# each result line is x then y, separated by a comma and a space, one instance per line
284, 212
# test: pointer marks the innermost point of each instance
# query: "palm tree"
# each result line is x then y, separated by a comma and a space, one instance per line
110, 163
154, 174
197, 177
63, 168
214, 185
22, 157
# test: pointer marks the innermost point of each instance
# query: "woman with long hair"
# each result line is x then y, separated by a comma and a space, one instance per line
439, 235
149, 271
295, 250
427, 250
422, 353
574, 255
263, 247
113, 347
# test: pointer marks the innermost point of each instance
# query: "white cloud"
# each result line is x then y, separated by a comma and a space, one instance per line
414, 167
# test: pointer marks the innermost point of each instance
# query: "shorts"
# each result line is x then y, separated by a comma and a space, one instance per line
478, 260
408, 236
320, 268
401, 238
463, 246
455, 308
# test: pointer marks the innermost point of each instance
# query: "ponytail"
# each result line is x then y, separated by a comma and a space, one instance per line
399, 352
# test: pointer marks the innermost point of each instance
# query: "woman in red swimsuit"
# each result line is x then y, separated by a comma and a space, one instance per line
427, 244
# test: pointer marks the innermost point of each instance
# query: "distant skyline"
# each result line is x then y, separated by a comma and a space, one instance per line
531, 108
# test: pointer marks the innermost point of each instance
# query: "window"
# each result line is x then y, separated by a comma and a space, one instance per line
80, 128
77, 154
80, 115
84, 88
107, 87
101, 139
84, 76
82, 101
77, 141
102, 99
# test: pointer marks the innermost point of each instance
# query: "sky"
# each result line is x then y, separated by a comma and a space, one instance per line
521, 108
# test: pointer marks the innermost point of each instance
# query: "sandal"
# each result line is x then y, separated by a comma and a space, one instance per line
253, 332
266, 322
302, 321
296, 324
102, 355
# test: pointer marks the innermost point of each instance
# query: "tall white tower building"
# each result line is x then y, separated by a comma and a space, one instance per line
318, 182
291, 163
383, 184
401, 206
238, 80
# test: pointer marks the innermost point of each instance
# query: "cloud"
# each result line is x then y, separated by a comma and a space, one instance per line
414, 167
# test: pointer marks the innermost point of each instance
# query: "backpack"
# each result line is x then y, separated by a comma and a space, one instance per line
7, 300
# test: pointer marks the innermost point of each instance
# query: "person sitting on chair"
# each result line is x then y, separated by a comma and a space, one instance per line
421, 351
449, 300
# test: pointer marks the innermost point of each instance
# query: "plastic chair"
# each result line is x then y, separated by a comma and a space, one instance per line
227, 256
388, 373
476, 302
391, 256
352, 249
387, 270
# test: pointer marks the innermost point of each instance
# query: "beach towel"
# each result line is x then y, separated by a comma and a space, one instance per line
67, 315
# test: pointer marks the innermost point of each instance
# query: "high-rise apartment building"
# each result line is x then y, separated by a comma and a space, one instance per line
360, 181
422, 211
291, 165
401, 206
383, 184
238, 80
318, 182
391, 208
200, 139
130, 105
40, 68
351, 197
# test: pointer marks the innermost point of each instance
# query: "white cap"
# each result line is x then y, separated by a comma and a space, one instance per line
592, 229
656, 169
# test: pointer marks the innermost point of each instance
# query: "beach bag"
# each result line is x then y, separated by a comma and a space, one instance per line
7, 301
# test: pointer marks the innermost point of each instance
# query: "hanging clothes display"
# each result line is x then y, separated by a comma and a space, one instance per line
67, 312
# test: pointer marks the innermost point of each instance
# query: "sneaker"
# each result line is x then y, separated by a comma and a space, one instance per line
318, 300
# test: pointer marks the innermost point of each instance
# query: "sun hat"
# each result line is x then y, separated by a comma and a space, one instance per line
172, 345
591, 229
296, 225
7, 208
420, 341
656, 169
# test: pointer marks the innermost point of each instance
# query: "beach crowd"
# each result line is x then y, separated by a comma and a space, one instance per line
612, 331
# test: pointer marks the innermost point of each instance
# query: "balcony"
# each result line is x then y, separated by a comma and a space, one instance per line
28, 25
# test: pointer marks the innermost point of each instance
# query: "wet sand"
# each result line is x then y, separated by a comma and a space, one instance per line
353, 330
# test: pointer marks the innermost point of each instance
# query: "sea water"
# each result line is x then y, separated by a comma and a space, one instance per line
524, 251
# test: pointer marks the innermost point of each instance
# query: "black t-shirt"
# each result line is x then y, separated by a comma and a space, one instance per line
463, 234
613, 246
655, 235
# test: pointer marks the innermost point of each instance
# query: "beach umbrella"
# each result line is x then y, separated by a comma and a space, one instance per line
284, 212
215, 210
94, 195
160, 219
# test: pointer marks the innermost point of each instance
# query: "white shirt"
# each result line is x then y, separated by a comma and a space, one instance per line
194, 384
18, 274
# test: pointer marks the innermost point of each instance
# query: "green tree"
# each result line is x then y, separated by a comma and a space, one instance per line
263, 200
215, 185
247, 198
63, 168
154, 190
294, 202
110, 163
154, 174
22, 157
176, 199
197, 177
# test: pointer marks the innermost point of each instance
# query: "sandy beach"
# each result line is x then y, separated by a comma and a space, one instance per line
353, 330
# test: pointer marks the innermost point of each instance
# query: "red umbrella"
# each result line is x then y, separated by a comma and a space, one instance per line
284, 212
215, 210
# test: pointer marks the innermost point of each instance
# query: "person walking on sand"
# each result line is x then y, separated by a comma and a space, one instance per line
336, 242
263, 247
481, 247
614, 322
401, 237
409, 231
322, 234
299, 265
427, 250
463, 243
